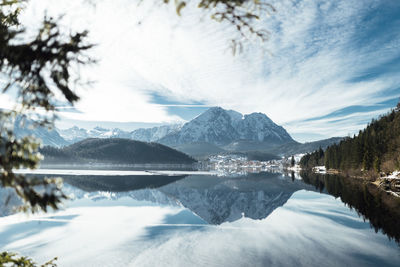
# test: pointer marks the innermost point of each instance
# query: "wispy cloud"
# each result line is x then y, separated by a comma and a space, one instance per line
323, 56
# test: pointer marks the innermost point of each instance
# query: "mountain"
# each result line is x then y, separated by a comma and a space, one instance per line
114, 151
154, 134
26, 127
250, 145
75, 134
213, 126
258, 127
99, 132
215, 131
221, 127
301, 148
199, 149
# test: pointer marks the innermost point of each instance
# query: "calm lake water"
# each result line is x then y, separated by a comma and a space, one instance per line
265, 219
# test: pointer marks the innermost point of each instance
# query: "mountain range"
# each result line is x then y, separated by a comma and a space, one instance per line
222, 127
216, 126
215, 131
50, 137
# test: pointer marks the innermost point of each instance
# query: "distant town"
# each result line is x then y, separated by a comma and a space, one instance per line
233, 164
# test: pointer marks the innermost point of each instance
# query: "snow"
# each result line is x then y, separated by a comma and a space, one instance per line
394, 175
155, 133
319, 169
220, 126
216, 125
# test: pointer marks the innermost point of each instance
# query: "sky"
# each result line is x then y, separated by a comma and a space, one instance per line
328, 68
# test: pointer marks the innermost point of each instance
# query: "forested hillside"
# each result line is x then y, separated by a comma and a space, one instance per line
115, 151
374, 149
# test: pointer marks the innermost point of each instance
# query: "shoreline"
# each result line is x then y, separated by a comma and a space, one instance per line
389, 184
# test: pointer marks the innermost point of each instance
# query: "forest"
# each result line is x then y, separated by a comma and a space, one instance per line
374, 149
114, 151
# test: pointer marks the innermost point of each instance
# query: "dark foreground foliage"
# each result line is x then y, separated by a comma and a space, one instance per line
12, 259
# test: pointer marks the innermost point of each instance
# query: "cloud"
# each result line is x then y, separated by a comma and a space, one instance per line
323, 56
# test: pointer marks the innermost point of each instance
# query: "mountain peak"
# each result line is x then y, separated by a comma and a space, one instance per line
216, 108
215, 111
259, 116
100, 129
221, 127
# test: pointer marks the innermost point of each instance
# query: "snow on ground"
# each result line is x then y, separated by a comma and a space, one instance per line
394, 175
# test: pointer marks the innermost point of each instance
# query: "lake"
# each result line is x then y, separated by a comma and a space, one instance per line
263, 219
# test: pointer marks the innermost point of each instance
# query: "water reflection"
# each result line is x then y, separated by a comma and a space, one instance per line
381, 209
219, 200
261, 219
92, 183
216, 200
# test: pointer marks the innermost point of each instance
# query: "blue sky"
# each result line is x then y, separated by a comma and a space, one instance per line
327, 70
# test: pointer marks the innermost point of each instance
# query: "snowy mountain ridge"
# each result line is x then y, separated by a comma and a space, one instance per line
221, 127
215, 126
23, 126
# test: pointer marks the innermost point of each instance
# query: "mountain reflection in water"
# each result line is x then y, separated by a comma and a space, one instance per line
260, 219
229, 199
217, 200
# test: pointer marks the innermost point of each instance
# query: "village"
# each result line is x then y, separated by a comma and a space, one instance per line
234, 164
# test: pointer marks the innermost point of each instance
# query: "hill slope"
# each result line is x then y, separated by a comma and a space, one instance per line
155, 133
299, 148
199, 149
116, 151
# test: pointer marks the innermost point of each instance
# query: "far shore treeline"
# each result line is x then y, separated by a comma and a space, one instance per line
374, 150
114, 151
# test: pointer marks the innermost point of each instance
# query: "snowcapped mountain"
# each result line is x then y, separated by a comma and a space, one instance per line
154, 134
227, 129
73, 134
25, 127
105, 133
213, 126
221, 127
76, 134
258, 127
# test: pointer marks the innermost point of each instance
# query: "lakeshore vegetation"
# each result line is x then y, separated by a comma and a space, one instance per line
374, 151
